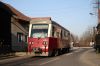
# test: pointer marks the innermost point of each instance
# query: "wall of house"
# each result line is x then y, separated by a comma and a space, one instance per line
19, 35
13, 30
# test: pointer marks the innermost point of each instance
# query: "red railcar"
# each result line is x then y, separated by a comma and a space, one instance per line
47, 38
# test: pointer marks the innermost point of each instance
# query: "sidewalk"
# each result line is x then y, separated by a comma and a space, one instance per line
91, 57
18, 56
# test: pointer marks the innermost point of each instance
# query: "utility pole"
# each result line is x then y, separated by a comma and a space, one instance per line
97, 3
98, 9
98, 17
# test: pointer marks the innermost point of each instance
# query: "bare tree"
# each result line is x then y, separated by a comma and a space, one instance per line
87, 37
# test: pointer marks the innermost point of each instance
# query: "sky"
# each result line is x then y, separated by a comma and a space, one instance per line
71, 14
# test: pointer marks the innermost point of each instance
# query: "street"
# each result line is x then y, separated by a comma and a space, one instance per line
33, 30
74, 58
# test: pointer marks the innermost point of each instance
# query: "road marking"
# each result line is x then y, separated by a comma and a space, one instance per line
69, 54
78, 50
49, 61
74, 52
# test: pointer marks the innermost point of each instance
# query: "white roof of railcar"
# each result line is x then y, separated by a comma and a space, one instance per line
48, 19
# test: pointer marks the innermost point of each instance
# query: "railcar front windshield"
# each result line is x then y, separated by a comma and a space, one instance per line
39, 30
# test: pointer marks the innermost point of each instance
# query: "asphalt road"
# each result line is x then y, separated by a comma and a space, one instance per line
68, 59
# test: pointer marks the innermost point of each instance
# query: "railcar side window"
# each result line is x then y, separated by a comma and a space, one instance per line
61, 34
53, 31
58, 34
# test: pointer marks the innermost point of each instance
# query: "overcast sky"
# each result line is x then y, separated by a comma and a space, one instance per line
72, 14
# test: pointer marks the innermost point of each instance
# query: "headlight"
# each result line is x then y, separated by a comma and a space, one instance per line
29, 42
44, 47
45, 42
32, 42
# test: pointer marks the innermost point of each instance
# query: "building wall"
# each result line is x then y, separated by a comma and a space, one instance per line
13, 29
17, 30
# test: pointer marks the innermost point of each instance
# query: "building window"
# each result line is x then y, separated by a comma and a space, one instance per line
19, 37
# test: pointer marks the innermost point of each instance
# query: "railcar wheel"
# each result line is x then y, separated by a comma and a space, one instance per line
56, 52
51, 53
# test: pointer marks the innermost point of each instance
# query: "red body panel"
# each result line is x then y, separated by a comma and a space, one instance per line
38, 43
53, 44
